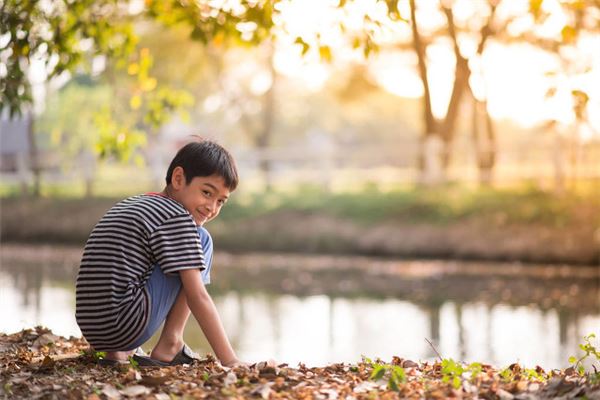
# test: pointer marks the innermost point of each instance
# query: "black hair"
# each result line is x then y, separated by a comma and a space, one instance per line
204, 158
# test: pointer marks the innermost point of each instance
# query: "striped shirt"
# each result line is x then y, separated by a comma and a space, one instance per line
112, 305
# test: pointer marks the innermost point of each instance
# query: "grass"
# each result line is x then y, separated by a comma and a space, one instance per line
368, 204
518, 205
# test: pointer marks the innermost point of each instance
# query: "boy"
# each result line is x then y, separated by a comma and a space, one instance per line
147, 261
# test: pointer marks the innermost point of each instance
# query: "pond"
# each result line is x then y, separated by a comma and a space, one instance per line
324, 309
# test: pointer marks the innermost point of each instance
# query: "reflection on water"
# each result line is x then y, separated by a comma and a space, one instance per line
323, 315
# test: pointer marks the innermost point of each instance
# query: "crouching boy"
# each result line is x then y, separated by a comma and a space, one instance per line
147, 260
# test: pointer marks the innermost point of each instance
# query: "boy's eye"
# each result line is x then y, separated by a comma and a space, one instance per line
207, 193
221, 202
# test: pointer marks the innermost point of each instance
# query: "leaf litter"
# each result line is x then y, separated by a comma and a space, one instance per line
36, 364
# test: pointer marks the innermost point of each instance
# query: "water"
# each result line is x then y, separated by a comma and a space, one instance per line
319, 310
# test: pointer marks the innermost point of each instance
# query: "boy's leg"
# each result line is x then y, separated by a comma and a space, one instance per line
171, 337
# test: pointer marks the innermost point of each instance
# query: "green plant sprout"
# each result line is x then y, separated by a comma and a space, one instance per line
133, 363
395, 374
452, 371
506, 374
95, 355
589, 350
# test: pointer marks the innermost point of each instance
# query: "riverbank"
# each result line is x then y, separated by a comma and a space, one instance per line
510, 225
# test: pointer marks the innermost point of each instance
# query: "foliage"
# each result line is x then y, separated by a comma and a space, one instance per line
249, 22
67, 123
514, 373
452, 371
394, 374
141, 104
589, 350
58, 35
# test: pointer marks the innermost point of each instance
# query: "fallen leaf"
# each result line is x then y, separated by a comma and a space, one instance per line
44, 340
132, 375
365, 386
521, 386
263, 390
47, 364
230, 379
111, 392
154, 380
504, 395
136, 390
20, 377
330, 393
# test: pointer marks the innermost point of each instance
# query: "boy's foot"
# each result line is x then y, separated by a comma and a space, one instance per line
112, 362
185, 356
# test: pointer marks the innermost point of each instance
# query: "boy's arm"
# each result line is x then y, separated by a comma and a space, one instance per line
204, 310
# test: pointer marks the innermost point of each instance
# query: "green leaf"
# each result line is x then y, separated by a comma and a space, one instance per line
378, 372
392, 384
456, 382
134, 364
572, 360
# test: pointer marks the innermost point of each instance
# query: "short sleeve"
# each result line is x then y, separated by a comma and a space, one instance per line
176, 245
207, 247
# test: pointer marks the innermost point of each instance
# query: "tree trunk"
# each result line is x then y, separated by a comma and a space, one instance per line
427, 159
461, 84
462, 73
484, 141
34, 159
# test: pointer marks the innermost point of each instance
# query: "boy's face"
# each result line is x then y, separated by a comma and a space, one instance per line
203, 197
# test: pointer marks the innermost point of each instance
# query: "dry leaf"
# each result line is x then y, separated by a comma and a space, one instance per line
154, 380
47, 364
44, 340
504, 395
111, 392
230, 379
263, 390
136, 390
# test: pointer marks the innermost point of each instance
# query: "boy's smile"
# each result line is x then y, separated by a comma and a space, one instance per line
202, 198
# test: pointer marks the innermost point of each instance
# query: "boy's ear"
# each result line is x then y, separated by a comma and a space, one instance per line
178, 178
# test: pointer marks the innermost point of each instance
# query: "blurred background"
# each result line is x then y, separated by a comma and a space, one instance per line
410, 169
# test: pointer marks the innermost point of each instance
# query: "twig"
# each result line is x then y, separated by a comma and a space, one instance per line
434, 349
